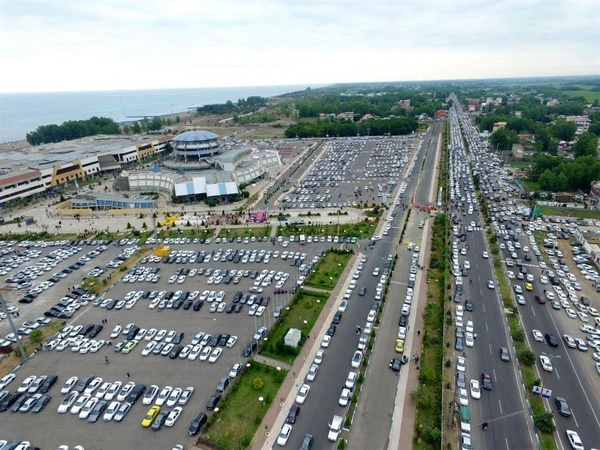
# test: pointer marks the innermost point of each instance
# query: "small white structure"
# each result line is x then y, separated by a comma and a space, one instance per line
292, 338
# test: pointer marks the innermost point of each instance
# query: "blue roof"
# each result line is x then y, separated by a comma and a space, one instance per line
196, 136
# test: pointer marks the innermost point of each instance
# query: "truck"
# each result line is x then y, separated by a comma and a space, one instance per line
302, 239
335, 428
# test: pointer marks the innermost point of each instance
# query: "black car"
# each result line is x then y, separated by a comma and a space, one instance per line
48, 383
230, 308
293, 414
223, 340
551, 339
196, 424
95, 331
337, 317
136, 393
160, 419
563, 407
83, 383
331, 330
307, 442
395, 364
215, 340
239, 307
178, 338
469, 305
540, 300
458, 344
9, 401
362, 291
198, 305
133, 332
403, 321
213, 401
41, 403
249, 349
187, 305
176, 351
97, 411
19, 402
486, 381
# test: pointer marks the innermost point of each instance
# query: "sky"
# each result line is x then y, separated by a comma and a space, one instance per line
82, 45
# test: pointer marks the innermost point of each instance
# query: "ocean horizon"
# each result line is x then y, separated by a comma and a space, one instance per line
21, 113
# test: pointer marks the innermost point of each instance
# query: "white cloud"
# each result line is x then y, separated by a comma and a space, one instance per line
90, 45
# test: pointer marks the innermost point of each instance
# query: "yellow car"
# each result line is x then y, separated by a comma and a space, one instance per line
529, 286
150, 416
399, 346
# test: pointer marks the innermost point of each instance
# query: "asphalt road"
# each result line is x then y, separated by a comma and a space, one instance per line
322, 402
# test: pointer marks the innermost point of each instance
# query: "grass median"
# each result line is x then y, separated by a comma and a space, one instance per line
328, 270
327, 227
241, 411
244, 232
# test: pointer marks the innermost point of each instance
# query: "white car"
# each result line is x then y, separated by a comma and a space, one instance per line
148, 348
319, 356
475, 389
125, 391
103, 390
204, 355
174, 397
235, 370
88, 407
284, 434
356, 359
490, 284
469, 327
574, 440
111, 411
312, 372
163, 396
344, 397
231, 341
302, 394
461, 364
150, 395
186, 395
485, 255
6, 380
26, 384
95, 384
537, 335
173, 416
326, 341
67, 402
214, 356
68, 385
80, 403
546, 364
351, 380
343, 306
469, 339
463, 398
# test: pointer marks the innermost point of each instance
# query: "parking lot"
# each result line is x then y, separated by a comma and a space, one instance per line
259, 267
352, 172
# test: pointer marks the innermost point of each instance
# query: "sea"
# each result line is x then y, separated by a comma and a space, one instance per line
21, 113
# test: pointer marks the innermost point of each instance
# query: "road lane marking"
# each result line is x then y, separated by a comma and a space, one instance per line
574, 419
486, 327
557, 375
500, 406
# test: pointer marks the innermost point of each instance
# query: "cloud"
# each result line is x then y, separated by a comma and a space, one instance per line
90, 45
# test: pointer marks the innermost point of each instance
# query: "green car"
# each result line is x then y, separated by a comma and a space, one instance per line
129, 346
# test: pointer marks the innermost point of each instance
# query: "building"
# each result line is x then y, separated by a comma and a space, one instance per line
517, 151
441, 114
195, 146
111, 201
583, 123
498, 125
595, 194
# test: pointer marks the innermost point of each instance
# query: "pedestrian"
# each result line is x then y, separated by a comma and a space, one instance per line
106, 359
418, 332
127, 375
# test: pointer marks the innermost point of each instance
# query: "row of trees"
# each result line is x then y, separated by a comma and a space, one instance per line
560, 174
149, 125
346, 128
72, 129
242, 106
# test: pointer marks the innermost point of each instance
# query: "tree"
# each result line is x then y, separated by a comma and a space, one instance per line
586, 145
36, 336
503, 139
563, 130
545, 422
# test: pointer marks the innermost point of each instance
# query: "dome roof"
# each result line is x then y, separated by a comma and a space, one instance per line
196, 136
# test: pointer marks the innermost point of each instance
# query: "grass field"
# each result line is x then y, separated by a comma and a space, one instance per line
359, 230
302, 314
241, 412
245, 232
581, 213
328, 270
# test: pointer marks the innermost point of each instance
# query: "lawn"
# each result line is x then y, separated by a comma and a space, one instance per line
328, 270
361, 230
301, 314
241, 412
581, 213
245, 232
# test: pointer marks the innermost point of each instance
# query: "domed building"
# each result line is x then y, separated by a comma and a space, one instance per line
195, 146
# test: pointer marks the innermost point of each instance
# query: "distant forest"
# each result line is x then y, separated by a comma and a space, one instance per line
72, 129
242, 106
346, 128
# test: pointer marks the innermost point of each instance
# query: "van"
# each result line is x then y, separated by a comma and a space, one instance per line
223, 384
465, 419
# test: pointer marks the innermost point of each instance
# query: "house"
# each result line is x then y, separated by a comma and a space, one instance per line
498, 125
517, 151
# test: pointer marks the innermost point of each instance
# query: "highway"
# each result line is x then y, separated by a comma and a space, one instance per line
502, 407
574, 376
